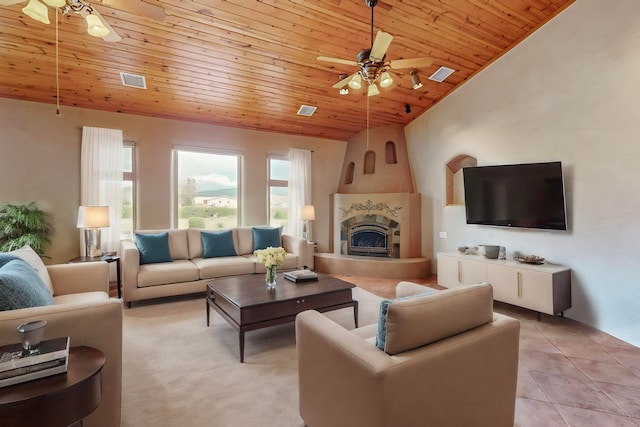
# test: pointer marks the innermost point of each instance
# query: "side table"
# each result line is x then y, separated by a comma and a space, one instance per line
106, 258
60, 400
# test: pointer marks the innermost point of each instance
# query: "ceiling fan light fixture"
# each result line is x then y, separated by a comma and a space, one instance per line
37, 11
344, 91
355, 82
415, 80
373, 90
56, 3
386, 80
95, 27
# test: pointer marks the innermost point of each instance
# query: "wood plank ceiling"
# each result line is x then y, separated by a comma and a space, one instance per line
252, 64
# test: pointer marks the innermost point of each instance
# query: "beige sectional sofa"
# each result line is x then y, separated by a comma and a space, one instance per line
189, 271
83, 311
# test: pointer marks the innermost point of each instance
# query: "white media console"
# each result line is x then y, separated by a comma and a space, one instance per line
544, 288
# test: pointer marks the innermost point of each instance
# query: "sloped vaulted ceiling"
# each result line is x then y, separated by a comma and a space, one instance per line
252, 64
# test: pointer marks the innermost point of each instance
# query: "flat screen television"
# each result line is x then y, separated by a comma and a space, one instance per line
523, 195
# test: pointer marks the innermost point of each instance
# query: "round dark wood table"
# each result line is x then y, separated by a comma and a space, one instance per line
60, 400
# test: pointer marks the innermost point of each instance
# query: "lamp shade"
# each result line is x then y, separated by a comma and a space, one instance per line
308, 213
355, 82
37, 11
386, 80
373, 90
56, 3
95, 27
93, 216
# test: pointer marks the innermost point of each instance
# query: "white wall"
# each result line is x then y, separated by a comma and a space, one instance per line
570, 92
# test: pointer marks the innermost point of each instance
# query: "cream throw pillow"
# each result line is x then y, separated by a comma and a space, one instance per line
34, 260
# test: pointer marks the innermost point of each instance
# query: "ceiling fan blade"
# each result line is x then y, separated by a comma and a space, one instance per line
137, 7
10, 2
380, 46
337, 60
410, 63
342, 83
112, 36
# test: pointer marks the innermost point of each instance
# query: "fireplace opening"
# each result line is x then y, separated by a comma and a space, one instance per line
369, 239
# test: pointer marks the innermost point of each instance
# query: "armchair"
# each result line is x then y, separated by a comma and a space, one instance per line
83, 311
448, 361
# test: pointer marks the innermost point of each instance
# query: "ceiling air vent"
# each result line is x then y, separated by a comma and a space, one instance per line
306, 110
133, 80
441, 74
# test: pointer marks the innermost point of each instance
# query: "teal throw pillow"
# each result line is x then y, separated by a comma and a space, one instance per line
217, 244
154, 248
20, 285
381, 335
264, 237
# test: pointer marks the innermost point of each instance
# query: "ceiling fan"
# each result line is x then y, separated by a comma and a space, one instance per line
373, 65
97, 26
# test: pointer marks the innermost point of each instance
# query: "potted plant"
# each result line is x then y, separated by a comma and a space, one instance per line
23, 225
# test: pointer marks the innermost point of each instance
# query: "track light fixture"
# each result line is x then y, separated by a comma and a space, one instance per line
415, 80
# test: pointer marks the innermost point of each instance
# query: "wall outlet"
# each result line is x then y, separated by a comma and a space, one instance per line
443, 234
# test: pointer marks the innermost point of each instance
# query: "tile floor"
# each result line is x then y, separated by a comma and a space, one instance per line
570, 374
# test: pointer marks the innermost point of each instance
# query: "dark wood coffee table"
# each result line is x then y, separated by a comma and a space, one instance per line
246, 303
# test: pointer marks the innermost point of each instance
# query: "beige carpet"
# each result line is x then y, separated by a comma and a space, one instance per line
178, 372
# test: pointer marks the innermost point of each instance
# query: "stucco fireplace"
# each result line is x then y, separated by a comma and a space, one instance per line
382, 225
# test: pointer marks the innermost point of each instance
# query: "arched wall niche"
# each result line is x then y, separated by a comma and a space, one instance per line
391, 155
369, 162
348, 176
454, 181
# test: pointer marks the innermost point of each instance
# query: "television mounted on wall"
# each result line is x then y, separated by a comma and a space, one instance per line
527, 195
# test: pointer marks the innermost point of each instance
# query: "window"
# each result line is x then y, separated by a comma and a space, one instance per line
206, 189
127, 225
278, 191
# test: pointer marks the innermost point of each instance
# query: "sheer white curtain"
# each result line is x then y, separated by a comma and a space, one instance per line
101, 179
299, 189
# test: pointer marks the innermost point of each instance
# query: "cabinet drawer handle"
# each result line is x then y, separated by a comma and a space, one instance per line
519, 285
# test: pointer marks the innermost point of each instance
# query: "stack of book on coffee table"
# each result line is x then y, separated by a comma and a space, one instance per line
300, 275
17, 365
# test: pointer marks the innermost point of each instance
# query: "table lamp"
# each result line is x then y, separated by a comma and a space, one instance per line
92, 219
308, 213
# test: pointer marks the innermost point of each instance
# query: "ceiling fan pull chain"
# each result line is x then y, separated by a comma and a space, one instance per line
57, 67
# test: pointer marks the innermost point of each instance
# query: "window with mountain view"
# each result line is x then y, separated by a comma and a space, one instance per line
207, 191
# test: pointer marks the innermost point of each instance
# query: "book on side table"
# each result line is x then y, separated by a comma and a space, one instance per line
300, 275
17, 366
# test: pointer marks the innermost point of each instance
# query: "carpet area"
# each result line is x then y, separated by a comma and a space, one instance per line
179, 372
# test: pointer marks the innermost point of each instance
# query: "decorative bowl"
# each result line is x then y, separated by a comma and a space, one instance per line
529, 259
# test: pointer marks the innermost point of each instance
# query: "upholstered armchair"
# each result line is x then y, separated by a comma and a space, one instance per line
447, 360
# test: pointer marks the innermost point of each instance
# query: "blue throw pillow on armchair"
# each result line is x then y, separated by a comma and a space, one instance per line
264, 237
153, 248
217, 244
20, 285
